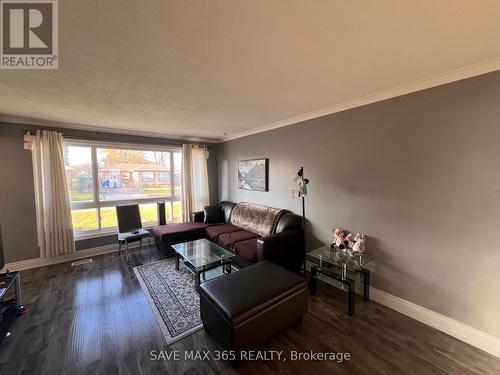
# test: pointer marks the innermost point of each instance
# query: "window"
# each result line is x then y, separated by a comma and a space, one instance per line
78, 167
148, 176
100, 177
164, 176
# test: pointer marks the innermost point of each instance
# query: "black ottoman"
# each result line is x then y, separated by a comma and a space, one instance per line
243, 309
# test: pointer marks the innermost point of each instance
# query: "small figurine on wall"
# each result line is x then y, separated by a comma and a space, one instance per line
338, 236
359, 246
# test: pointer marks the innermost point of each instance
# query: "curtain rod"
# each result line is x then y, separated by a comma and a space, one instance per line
27, 131
90, 138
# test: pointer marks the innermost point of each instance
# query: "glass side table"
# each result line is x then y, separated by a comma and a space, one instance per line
341, 269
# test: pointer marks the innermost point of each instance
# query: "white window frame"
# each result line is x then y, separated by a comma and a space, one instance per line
98, 204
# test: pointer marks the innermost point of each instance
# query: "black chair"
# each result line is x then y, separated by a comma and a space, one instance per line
130, 227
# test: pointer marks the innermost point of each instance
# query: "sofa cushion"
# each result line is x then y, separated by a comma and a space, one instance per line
180, 232
213, 232
256, 218
213, 214
227, 209
229, 239
247, 249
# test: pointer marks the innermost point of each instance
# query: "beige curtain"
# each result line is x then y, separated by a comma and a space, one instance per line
53, 212
195, 179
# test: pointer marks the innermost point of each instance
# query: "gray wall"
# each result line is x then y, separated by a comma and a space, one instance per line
419, 174
17, 203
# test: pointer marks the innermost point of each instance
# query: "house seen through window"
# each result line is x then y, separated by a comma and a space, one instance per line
100, 178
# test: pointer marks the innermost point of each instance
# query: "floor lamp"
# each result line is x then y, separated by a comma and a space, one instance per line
301, 192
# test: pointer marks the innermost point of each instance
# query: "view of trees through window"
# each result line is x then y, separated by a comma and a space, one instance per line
100, 178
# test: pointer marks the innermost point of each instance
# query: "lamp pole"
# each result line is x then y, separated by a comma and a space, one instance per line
301, 174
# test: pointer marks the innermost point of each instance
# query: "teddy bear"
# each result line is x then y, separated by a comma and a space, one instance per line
350, 240
359, 246
338, 236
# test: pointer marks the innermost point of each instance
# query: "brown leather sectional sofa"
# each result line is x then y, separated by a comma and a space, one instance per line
284, 245
243, 309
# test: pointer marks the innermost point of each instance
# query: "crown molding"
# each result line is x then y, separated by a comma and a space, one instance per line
459, 74
12, 119
470, 71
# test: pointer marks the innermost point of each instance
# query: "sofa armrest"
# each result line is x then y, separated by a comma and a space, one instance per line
198, 216
285, 248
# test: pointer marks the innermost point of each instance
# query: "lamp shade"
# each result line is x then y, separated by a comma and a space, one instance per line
303, 188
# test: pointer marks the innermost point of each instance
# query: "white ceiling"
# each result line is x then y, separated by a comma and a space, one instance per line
206, 68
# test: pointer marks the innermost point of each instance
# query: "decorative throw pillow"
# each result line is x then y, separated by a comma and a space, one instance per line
213, 214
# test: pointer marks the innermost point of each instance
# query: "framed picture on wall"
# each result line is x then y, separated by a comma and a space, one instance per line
253, 174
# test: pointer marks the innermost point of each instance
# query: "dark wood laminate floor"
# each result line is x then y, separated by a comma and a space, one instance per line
95, 319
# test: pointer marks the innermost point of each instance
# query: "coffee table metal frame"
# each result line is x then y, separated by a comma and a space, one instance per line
199, 272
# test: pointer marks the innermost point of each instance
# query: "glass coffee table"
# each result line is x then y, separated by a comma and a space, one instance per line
341, 269
202, 255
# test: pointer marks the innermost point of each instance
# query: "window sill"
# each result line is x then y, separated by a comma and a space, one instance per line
104, 233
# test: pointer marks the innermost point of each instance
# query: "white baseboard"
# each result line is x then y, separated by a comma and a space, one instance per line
452, 327
79, 254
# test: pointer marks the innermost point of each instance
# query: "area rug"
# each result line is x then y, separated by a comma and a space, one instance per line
172, 297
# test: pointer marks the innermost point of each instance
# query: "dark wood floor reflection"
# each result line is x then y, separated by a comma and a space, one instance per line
94, 319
